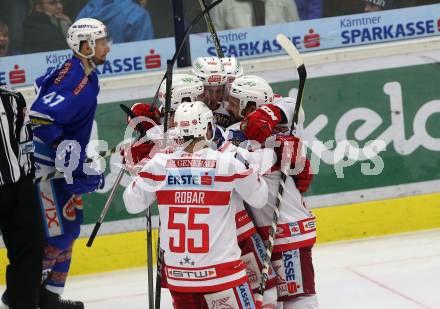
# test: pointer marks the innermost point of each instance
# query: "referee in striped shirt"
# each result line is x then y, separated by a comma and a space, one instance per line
20, 218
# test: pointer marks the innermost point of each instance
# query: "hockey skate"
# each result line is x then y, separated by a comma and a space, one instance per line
4, 304
50, 300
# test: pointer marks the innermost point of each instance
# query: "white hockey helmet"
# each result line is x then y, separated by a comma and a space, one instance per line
251, 88
185, 87
192, 119
232, 67
209, 70
85, 29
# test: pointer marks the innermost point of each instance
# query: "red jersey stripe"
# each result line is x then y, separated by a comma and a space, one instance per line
246, 234
204, 273
152, 176
233, 177
294, 245
193, 197
208, 288
285, 230
242, 218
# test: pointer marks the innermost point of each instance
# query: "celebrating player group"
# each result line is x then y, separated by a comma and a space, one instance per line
216, 183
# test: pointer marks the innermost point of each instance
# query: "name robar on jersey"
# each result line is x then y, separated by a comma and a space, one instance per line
198, 234
245, 227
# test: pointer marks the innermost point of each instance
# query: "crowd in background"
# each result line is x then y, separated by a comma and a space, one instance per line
29, 26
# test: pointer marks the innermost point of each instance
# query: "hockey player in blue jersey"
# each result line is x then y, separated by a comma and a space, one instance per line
62, 118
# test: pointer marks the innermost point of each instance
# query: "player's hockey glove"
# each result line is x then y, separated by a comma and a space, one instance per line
139, 152
303, 180
289, 153
143, 110
83, 182
287, 149
259, 124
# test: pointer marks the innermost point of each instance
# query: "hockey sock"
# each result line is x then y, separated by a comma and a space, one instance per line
57, 273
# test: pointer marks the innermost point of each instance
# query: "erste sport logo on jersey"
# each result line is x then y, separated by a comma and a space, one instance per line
190, 178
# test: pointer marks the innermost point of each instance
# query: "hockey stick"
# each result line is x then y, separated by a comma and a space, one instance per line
291, 50
179, 50
169, 85
101, 154
149, 226
293, 53
115, 185
211, 29
150, 258
141, 129
105, 209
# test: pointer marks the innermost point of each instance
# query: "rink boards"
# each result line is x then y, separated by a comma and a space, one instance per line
353, 221
393, 99
360, 220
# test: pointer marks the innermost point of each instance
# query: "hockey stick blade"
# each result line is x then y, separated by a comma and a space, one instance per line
290, 49
293, 53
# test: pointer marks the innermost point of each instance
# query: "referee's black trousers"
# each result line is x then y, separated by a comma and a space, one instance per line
23, 234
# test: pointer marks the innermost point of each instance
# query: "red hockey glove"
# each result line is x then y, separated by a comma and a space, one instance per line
304, 179
288, 151
259, 124
136, 154
141, 151
143, 110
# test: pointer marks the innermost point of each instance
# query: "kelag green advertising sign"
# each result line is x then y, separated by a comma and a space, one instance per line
391, 115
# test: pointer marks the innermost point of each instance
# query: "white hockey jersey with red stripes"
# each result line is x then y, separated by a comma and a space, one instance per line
296, 225
245, 227
194, 193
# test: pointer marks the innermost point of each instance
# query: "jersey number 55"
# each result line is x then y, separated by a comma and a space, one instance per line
184, 244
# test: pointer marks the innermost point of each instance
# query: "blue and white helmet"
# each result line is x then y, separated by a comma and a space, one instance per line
85, 29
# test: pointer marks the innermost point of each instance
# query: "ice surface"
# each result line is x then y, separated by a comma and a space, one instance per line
393, 272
